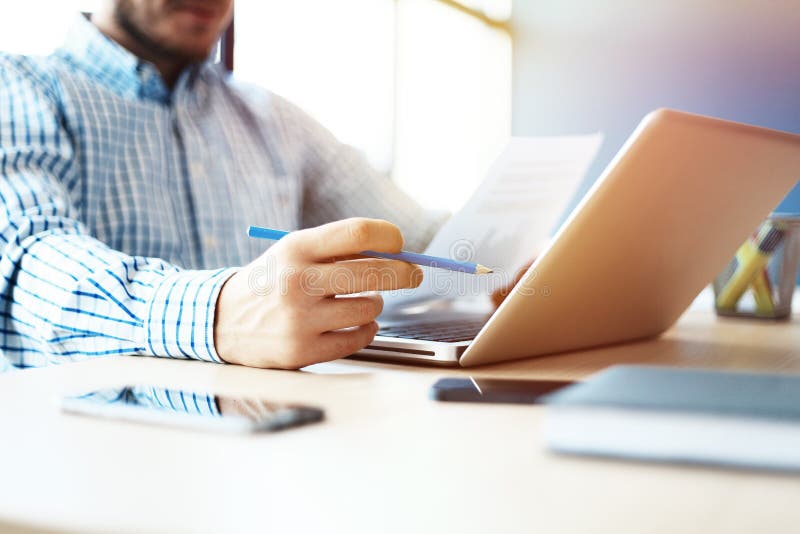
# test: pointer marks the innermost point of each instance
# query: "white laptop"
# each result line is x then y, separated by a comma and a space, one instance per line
665, 217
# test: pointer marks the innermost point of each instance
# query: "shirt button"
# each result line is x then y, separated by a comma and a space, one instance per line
210, 242
196, 169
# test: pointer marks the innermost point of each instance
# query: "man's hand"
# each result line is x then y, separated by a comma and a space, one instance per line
287, 309
500, 295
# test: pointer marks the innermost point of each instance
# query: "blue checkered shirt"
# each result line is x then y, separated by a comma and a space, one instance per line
125, 204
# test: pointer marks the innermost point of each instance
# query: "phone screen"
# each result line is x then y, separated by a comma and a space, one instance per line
495, 390
191, 409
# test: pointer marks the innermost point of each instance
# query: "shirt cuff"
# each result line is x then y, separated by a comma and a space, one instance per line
180, 315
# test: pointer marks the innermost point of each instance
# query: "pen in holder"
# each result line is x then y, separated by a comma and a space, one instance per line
760, 280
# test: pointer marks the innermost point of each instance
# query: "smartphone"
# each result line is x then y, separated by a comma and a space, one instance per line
495, 390
190, 409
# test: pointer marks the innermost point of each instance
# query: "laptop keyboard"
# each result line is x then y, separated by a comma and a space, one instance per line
444, 331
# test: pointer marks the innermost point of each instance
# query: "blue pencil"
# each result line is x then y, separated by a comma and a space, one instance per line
411, 257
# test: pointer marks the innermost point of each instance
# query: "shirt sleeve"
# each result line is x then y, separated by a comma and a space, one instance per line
340, 183
64, 295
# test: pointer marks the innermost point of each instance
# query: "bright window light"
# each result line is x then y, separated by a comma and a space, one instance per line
453, 101
333, 59
422, 88
37, 27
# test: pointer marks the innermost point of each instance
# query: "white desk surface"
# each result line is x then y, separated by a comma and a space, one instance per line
387, 459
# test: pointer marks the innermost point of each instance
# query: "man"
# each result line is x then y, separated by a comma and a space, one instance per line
130, 167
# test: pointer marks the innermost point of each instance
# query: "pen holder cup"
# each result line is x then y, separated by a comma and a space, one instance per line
760, 280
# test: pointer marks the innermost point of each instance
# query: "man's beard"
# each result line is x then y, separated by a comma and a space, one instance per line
124, 16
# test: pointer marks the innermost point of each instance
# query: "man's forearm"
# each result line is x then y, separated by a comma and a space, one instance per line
67, 296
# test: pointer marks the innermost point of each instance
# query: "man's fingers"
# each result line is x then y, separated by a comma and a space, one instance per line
346, 342
332, 346
345, 238
345, 312
499, 295
356, 276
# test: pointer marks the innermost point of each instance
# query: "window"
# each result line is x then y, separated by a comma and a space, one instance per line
38, 26
422, 87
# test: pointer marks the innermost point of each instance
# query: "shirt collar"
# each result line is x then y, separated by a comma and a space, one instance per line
120, 70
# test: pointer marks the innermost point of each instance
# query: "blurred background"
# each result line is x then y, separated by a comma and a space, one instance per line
430, 90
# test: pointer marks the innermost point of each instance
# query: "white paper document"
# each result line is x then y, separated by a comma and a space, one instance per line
511, 214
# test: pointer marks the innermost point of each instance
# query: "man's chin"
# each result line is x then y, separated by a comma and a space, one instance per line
195, 46
197, 57
188, 54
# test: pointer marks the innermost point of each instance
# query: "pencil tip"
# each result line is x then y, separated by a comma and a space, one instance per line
480, 269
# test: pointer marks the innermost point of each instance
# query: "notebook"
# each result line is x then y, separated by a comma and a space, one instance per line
680, 415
